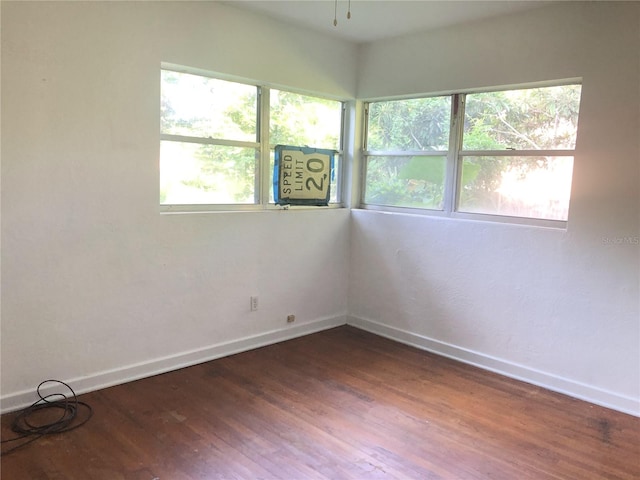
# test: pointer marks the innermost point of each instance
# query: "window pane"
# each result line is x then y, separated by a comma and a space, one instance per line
301, 120
197, 106
533, 187
416, 124
531, 119
192, 173
405, 181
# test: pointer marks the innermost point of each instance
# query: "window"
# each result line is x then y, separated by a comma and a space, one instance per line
506, 154
408, 141
301, 120
217, 139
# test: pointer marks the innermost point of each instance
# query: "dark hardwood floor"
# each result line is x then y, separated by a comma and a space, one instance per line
340, 404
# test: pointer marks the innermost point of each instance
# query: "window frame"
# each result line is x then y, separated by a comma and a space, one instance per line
263, 178
455, 156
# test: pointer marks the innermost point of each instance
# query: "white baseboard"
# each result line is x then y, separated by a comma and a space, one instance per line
16, 401
549, 381
629, 405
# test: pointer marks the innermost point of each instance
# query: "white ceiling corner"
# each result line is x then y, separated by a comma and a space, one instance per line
377, 19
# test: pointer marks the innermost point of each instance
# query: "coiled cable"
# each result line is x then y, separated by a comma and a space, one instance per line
26, 423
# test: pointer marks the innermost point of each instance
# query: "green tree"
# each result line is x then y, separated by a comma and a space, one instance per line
530, 119
408, 125
202, 107
191, 106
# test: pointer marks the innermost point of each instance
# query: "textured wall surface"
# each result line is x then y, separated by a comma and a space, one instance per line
561, 303
99, 287
94, 278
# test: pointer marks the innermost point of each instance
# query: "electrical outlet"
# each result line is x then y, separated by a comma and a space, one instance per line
254, 304
291, 318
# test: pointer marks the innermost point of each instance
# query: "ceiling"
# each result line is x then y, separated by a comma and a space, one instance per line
377, 19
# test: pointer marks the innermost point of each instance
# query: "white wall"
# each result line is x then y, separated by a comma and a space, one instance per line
98, 286
558, 308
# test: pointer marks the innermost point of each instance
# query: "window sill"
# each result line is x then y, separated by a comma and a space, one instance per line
186, 209
469, 217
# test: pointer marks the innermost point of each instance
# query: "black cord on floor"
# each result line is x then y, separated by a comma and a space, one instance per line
27, 428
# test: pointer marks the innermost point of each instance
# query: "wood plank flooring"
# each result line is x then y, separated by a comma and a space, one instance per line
340, 404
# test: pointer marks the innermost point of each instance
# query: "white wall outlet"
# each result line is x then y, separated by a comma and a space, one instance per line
291, 318
254, 304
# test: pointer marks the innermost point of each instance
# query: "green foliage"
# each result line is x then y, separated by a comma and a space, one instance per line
408, 125
531, 119
416, 124
304, 121
428, 169
540, 118
226, 168
416, 181
231, 169
209, 108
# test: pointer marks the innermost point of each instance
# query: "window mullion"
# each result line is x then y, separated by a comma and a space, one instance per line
406, 153
340, 156
452, 177
362, 173
517, 153
207, 141
262, 180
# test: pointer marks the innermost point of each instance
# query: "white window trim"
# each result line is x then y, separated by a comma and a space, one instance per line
264, 182
454, 156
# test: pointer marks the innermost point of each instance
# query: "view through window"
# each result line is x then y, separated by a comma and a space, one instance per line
506, 153
213, 149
